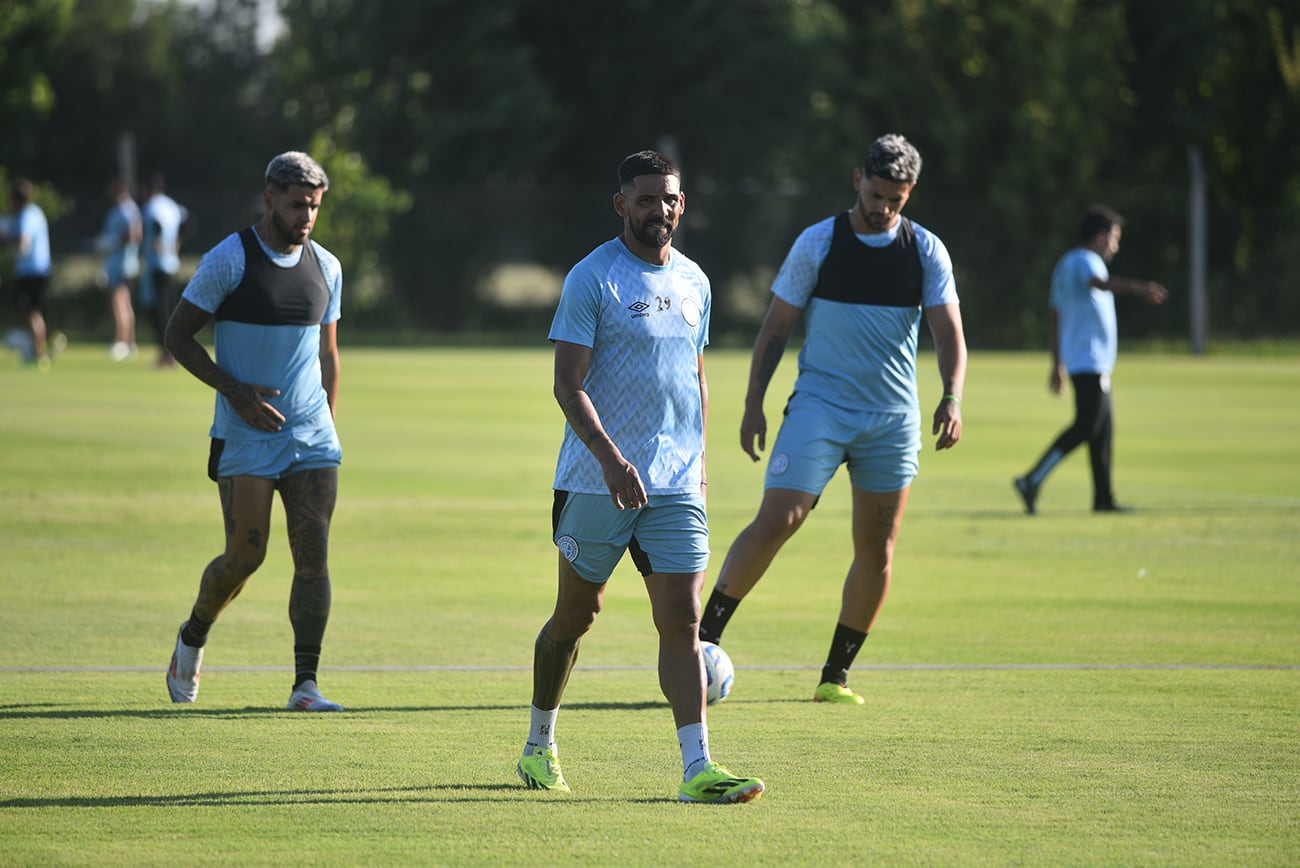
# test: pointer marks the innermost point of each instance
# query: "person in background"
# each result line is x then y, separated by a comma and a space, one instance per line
275, 297
162, 218
1084, 340
29, 233
629, 334
119, 241
860, 281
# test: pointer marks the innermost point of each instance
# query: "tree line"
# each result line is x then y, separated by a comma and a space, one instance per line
462, 135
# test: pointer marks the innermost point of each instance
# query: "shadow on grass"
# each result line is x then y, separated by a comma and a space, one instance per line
51, 711
395, 795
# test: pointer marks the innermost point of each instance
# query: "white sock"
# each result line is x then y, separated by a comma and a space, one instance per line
694, 742
541, 736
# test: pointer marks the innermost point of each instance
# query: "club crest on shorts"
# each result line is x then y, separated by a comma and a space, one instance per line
568, 547
779, 464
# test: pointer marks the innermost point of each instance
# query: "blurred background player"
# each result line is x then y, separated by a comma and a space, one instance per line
119, 241
275, 297
860, 280
29, 233
162, 219
1084, 340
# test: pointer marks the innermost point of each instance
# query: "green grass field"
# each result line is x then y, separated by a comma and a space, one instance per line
1052, 690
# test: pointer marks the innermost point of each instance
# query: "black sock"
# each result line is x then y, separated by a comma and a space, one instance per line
717, 612
844, 647
195, 631
305, 661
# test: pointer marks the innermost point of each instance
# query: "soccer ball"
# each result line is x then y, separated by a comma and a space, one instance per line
719, 672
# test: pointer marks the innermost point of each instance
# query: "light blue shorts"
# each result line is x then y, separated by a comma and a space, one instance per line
881, 449
275, 457
670, 534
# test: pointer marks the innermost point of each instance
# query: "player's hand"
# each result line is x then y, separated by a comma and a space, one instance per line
1155, 293
1056, 380
624, 485
753, 425
247, 400
947, 424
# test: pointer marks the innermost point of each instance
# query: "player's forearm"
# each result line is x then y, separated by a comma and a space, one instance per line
769, 347
585, 421
329, 374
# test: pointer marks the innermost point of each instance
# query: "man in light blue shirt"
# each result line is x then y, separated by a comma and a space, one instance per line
273, 296
861, 281
1084, 342
629, 334
29, 232
119, 241
160, 245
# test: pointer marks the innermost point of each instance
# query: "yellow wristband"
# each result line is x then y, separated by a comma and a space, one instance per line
952, 398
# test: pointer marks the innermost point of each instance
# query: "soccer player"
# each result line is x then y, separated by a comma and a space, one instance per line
860, 280
1084, 340
274, 295
119, 241
30, 234
629, 334
163, 218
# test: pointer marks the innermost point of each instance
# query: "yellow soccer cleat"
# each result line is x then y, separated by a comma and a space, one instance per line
829, 691
541, 771
715, 785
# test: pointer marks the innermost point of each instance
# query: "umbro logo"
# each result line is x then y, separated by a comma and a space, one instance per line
638, 309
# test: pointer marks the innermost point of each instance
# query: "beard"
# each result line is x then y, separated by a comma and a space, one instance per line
656, 235
288, 234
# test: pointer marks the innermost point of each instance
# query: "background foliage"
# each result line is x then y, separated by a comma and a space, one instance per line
479, 135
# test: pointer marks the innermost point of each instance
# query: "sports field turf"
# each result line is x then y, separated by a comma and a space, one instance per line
1060, 689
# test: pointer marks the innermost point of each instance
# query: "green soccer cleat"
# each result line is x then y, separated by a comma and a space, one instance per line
715, 785
829, 691
541, 771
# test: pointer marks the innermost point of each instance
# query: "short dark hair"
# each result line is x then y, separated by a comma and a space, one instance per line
645, 163
1098, 219
893, 158
23, 190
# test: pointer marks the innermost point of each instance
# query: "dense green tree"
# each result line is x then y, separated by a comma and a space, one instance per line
500, 124
29, 31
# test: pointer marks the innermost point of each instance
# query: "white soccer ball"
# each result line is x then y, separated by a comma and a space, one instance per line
718, 671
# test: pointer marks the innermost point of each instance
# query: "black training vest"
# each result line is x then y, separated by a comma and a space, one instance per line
854, 273
271, 295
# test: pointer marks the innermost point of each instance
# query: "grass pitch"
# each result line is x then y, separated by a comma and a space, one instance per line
1061, 689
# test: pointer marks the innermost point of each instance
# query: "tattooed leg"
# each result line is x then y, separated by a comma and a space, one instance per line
246, 510
309, 498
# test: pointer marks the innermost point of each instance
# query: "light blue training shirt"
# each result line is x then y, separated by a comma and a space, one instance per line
1087, 331
284, 357
859, 356
122, 255
31, 226
646, 326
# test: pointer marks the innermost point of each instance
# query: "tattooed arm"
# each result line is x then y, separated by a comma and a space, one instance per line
769, 346
571, 363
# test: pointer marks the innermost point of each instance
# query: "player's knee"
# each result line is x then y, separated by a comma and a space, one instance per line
779, 523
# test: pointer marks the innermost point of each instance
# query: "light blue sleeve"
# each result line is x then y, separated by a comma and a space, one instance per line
333, 271
578, 313
218, 274
937, 284
797, 278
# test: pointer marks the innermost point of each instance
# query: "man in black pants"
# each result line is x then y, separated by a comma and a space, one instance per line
1084, 340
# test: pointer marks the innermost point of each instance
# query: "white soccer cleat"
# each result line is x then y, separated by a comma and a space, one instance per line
306, 697
183, 673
